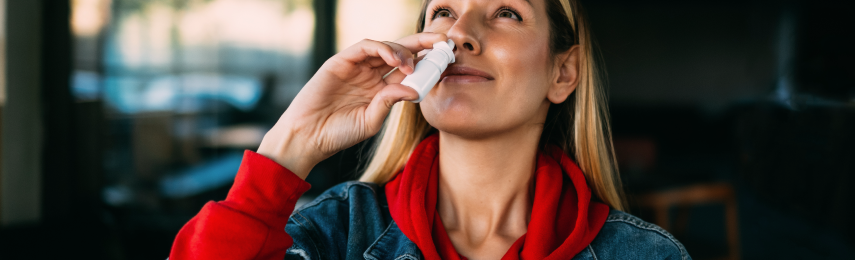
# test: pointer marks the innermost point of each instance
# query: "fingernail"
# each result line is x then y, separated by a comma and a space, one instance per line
399, 56
410, 63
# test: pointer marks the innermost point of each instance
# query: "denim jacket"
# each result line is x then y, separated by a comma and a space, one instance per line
352, 221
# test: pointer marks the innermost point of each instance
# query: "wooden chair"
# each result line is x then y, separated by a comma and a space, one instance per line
683, 197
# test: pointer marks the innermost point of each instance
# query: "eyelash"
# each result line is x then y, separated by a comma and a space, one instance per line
439, 8
436, 10
509, 9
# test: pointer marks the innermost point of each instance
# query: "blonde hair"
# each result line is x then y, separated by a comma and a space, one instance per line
579, 125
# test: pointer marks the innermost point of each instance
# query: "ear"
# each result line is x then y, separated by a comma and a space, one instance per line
565, 75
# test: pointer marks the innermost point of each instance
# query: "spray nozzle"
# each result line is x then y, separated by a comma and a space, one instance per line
427, 72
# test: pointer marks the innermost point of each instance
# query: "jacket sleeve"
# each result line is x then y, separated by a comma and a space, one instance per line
250, 223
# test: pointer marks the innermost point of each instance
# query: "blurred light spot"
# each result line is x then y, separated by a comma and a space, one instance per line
239, 136
118, 195
159, 25
160, 94
175, 93
261, 24
382, 20
88, 17
120, 93
130, 38
210, 175
145, 37
85, 85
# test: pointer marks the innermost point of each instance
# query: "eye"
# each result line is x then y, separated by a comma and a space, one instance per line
507, 12
440, 11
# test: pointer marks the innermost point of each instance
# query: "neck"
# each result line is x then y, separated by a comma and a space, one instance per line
485, 188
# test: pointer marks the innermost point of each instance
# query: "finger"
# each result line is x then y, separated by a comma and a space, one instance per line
377, 63
382, 103
396, 76
406, 55
367, 49
420, 41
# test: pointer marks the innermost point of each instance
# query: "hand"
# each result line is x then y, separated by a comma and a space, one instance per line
345, 102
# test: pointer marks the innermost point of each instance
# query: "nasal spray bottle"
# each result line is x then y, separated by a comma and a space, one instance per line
428, 70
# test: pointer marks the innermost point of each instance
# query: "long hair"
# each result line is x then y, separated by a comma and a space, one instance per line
579, 125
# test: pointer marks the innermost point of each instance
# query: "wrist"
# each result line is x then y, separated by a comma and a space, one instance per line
285, 149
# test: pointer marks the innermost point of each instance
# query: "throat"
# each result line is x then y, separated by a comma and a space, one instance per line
485, 197
483, 220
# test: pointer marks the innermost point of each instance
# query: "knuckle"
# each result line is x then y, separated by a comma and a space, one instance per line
388, 102
395, 44
367, 43
404, 51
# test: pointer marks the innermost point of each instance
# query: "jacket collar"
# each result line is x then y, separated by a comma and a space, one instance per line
393, 245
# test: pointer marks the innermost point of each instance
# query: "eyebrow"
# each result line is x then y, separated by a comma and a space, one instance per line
529, 3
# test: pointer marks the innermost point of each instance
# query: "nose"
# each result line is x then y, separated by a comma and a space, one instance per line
464, 32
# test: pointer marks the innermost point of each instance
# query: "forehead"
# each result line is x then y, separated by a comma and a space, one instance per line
528, 3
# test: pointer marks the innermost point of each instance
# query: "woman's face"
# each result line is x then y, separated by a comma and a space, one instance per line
503, 69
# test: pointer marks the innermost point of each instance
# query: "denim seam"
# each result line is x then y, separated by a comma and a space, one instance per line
638, 223
343, 196
406, 256
591, 249
366, 254
310, 234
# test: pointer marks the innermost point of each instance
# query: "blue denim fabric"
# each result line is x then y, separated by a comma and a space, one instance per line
352, 221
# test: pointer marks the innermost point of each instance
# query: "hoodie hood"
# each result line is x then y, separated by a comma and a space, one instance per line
564, 218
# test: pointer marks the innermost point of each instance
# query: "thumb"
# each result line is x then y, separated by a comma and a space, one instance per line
382, 103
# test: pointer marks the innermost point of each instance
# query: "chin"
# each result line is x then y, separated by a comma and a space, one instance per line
455, 127
459, 119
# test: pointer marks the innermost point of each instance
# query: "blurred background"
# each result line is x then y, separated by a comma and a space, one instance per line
733, 121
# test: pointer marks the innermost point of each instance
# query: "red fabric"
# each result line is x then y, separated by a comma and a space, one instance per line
250, 223
564, 219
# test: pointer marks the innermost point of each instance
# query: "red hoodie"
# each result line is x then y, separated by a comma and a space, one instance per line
250, 223
564, 220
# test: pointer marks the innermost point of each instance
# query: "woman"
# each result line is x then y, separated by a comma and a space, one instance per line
485, 167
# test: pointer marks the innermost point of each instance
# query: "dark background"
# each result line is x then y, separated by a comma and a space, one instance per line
759, 95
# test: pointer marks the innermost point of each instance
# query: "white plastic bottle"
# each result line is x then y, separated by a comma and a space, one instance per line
430, 68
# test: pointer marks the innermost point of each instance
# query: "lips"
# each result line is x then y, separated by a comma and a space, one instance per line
458, 73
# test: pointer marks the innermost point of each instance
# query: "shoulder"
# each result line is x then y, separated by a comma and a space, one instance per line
340, 223
625, 236
346, 192
344, 201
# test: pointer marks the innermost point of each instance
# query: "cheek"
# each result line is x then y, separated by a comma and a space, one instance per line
526, 81
519, 56
525, 71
